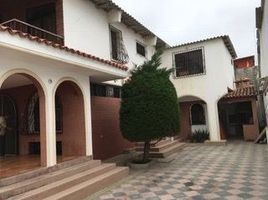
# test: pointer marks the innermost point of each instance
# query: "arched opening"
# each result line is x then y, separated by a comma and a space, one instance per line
22, 124
70, 121
193, 116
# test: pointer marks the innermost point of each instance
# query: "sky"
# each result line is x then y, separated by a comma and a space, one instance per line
181, 21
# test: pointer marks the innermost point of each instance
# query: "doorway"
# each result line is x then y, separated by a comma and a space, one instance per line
8, 118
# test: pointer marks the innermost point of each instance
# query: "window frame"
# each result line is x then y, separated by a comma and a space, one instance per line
187, 50
144, 46
112, 28
204, 122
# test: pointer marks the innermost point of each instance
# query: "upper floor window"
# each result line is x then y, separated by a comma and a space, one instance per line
189, 63
118, 50
140, 49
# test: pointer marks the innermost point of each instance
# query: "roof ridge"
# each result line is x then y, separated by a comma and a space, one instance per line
226, 39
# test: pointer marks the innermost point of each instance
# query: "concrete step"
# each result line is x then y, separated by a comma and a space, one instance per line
91, 186
162, 142
36, 182
159, 147
64, 184
42, 170
168, 151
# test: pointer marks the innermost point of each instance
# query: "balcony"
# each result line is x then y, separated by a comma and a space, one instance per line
33, 30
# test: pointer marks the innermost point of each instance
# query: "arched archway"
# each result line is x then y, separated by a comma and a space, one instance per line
193, 115
19, 138
71, 134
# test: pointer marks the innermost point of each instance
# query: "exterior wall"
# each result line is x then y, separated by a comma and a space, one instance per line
87, 28
210, 86
264, 42
107, 138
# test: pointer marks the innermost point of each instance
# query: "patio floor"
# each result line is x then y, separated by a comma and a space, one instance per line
14, 165
236, 171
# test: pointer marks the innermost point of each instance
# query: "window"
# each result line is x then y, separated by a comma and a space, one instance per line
115, 42
105, 91
43, 17
118, 49
34, 115
140, 49
189, 63
198, 115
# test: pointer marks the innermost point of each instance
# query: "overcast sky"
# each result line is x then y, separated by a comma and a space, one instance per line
180, 21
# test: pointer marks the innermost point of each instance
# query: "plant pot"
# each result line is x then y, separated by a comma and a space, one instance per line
137, 166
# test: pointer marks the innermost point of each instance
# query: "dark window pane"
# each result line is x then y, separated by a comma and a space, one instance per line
58, 110
140, 49
117, 92
98, 90
189, 63
43, 17
115, 44
198, 115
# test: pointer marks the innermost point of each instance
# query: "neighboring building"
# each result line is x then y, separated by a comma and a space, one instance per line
245, 68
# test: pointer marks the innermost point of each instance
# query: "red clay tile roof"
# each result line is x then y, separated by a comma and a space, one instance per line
241, 92
226, 39
61, 47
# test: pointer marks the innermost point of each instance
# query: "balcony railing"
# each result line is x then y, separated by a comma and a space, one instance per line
33, 30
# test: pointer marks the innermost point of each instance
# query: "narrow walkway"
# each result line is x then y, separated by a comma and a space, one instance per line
236, 171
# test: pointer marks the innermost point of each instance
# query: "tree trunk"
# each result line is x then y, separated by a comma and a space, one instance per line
146, 151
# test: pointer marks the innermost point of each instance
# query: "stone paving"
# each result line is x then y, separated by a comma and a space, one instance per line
236, 171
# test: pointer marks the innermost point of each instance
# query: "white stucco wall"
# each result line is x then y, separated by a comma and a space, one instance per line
210, 86
86, 28
264, 42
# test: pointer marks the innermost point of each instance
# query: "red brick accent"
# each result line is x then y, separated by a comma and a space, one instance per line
73, 137
107, 138
244, 62
185, 123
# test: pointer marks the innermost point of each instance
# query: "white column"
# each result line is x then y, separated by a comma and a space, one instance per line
213, 121
50, 130
88, 123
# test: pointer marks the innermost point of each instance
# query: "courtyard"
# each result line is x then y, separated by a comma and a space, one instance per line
236, 171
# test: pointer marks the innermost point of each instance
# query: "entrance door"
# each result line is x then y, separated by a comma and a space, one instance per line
9, 142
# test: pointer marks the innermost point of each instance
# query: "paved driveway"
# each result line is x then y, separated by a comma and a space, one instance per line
236, 171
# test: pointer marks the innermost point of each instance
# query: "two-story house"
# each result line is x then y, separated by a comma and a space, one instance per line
204, 78
56, 59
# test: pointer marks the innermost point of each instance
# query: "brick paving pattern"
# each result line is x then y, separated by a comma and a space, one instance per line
236, 171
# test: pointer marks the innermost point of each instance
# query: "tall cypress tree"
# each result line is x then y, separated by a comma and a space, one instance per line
149, 109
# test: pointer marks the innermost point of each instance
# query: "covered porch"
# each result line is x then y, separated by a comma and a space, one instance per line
45, 101
238, 114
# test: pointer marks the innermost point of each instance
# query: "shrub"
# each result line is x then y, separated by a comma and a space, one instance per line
200, 136
149, 107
